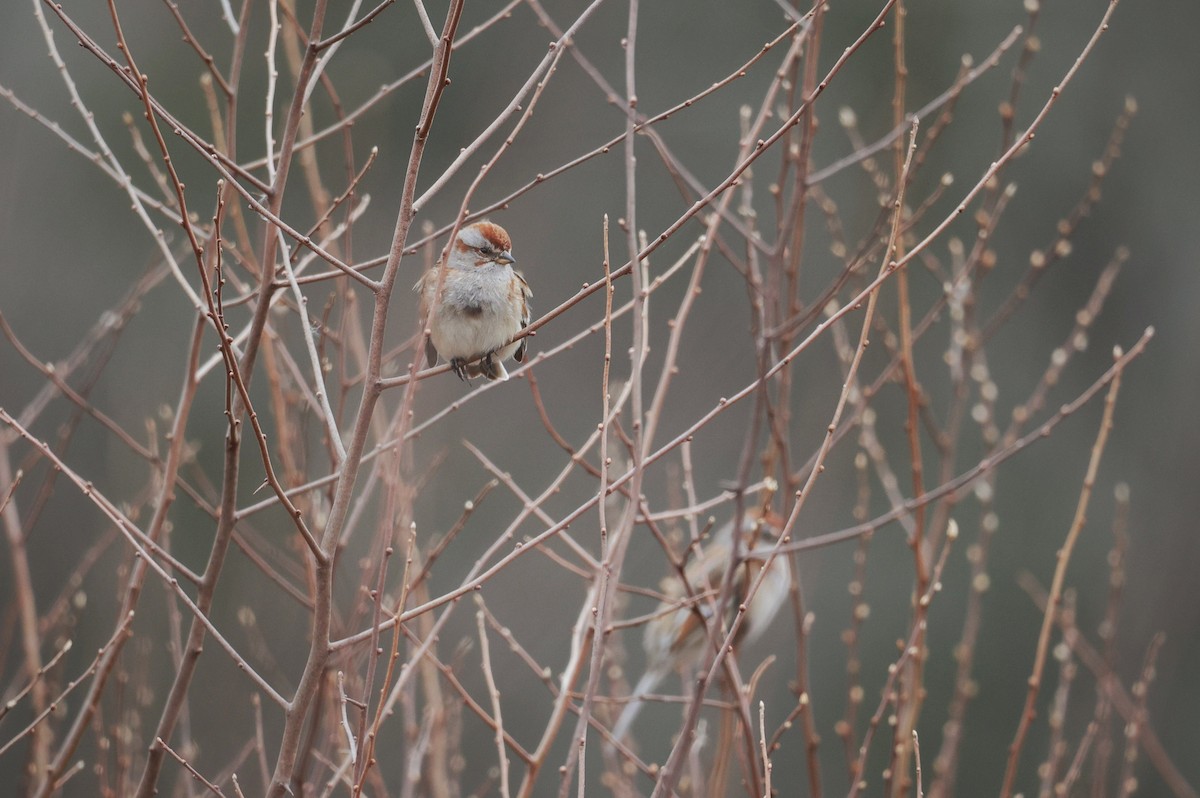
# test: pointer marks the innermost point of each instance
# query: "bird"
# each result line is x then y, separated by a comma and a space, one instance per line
676, 637
481, 304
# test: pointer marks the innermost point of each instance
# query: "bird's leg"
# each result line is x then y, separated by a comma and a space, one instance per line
460, 367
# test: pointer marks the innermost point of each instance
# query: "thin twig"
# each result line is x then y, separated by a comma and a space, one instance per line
1056, 586
494, 694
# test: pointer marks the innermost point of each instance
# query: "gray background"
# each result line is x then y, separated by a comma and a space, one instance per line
70, 249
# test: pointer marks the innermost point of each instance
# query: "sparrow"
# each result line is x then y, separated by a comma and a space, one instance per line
676, 637
483, 303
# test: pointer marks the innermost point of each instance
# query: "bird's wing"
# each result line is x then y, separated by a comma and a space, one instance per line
431, 355
526, 314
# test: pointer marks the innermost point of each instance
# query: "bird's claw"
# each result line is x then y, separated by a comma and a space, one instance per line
487, 365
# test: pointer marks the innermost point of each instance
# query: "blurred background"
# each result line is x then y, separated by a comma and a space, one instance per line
70, 249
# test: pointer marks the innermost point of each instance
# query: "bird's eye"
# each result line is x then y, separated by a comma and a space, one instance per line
486, 249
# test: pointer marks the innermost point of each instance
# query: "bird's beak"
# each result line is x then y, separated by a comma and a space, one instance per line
505, 258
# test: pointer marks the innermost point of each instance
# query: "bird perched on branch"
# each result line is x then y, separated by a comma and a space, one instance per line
480, 304
677, 635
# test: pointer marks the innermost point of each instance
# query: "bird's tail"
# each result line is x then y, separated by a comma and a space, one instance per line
489, 367
648, 682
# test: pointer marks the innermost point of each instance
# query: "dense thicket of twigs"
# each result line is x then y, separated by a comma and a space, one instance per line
308, 565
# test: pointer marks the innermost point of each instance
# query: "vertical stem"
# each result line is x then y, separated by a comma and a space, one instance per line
613, 557
318, 654
22, 587
911, 683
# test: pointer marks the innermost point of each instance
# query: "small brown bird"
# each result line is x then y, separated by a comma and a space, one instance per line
676, 637
483, 303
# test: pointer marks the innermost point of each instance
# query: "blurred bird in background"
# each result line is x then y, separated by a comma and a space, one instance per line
676, 637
